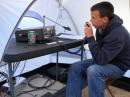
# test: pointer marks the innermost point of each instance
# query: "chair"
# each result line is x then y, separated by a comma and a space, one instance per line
108, 81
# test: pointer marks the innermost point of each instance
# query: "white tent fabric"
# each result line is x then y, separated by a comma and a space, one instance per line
81, 10
10, 13
52, 10
72, 13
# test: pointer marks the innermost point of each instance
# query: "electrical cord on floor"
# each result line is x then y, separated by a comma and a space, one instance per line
35, 88
41, 87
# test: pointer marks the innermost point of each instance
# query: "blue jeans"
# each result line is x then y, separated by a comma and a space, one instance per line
93, 75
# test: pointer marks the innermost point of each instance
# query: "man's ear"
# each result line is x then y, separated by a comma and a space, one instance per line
105, 19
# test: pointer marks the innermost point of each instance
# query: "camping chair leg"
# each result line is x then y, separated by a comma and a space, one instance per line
109, 90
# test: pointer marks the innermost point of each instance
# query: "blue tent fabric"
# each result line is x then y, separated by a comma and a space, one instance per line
34, 14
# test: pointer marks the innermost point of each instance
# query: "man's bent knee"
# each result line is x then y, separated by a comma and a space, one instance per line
93, 70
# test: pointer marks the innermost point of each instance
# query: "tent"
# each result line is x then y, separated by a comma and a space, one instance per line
70, 13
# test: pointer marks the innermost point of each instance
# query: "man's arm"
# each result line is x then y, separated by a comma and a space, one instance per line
107, 52
110, 48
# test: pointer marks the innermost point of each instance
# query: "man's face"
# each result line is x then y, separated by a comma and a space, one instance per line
96, 20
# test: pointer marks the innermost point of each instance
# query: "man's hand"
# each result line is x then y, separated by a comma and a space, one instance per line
88, 30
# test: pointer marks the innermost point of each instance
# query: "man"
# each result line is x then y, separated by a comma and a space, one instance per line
110, 52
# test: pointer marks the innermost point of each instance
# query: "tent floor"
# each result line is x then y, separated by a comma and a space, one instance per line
121, 88
57, 89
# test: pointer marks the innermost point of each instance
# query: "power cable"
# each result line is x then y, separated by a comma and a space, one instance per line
45, 85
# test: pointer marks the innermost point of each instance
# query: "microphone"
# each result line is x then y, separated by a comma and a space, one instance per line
66, 28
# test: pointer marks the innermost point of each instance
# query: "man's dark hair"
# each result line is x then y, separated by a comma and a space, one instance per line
104, 8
